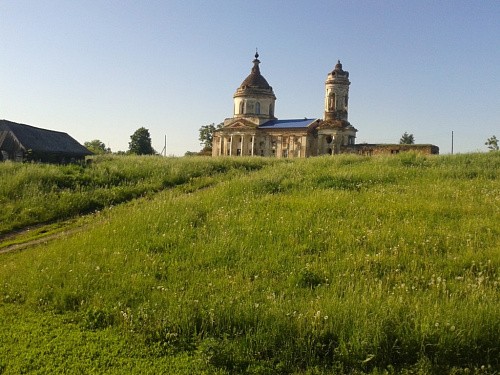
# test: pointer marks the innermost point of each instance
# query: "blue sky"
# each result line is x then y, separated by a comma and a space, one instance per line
102, 69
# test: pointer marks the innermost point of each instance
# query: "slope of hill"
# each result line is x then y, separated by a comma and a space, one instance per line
31, 194
327, 265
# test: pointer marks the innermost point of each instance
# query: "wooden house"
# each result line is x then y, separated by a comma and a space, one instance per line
20, 142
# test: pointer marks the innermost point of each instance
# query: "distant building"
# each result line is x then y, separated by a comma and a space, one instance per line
19, 142
255, 131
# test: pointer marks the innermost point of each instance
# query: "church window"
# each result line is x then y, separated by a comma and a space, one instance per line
242, 106
271, 110
257, 108
331, 103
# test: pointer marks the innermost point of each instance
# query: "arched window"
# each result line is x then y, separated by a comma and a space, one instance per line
257, 108
271, 110
242, 106
331, 102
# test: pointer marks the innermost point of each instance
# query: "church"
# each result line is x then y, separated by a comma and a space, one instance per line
255, 131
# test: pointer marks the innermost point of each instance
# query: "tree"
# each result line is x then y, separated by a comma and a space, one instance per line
97, 147
207, 135
492, 143
407, 139
140, 143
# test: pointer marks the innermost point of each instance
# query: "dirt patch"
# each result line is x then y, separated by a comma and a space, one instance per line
37, 241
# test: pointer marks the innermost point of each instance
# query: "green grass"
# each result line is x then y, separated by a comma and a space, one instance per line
327, 265
31, 194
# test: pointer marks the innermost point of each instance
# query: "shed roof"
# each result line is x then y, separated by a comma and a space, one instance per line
287, 124
41, 140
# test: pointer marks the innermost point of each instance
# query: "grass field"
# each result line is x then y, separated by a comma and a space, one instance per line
344, 265
31, 194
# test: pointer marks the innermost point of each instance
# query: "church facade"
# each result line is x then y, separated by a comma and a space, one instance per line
255, 131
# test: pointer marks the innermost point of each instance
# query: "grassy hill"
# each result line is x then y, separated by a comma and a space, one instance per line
327, 265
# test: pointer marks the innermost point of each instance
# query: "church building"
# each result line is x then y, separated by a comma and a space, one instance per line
255, 131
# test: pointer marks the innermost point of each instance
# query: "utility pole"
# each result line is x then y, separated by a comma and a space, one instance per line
452, 142
164, 150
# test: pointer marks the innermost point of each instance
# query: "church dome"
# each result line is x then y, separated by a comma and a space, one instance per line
254, 98
339, 72
255, 79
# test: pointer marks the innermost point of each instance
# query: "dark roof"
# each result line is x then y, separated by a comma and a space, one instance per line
255, 79
42, 140
338, 71
287, 124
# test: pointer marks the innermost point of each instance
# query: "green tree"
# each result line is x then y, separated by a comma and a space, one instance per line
207, 135
97, 147
140, 143
407, 139
492, 143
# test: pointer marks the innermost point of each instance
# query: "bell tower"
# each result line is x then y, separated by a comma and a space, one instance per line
337, 94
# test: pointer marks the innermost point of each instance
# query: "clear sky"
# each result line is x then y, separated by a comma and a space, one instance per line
100, 69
